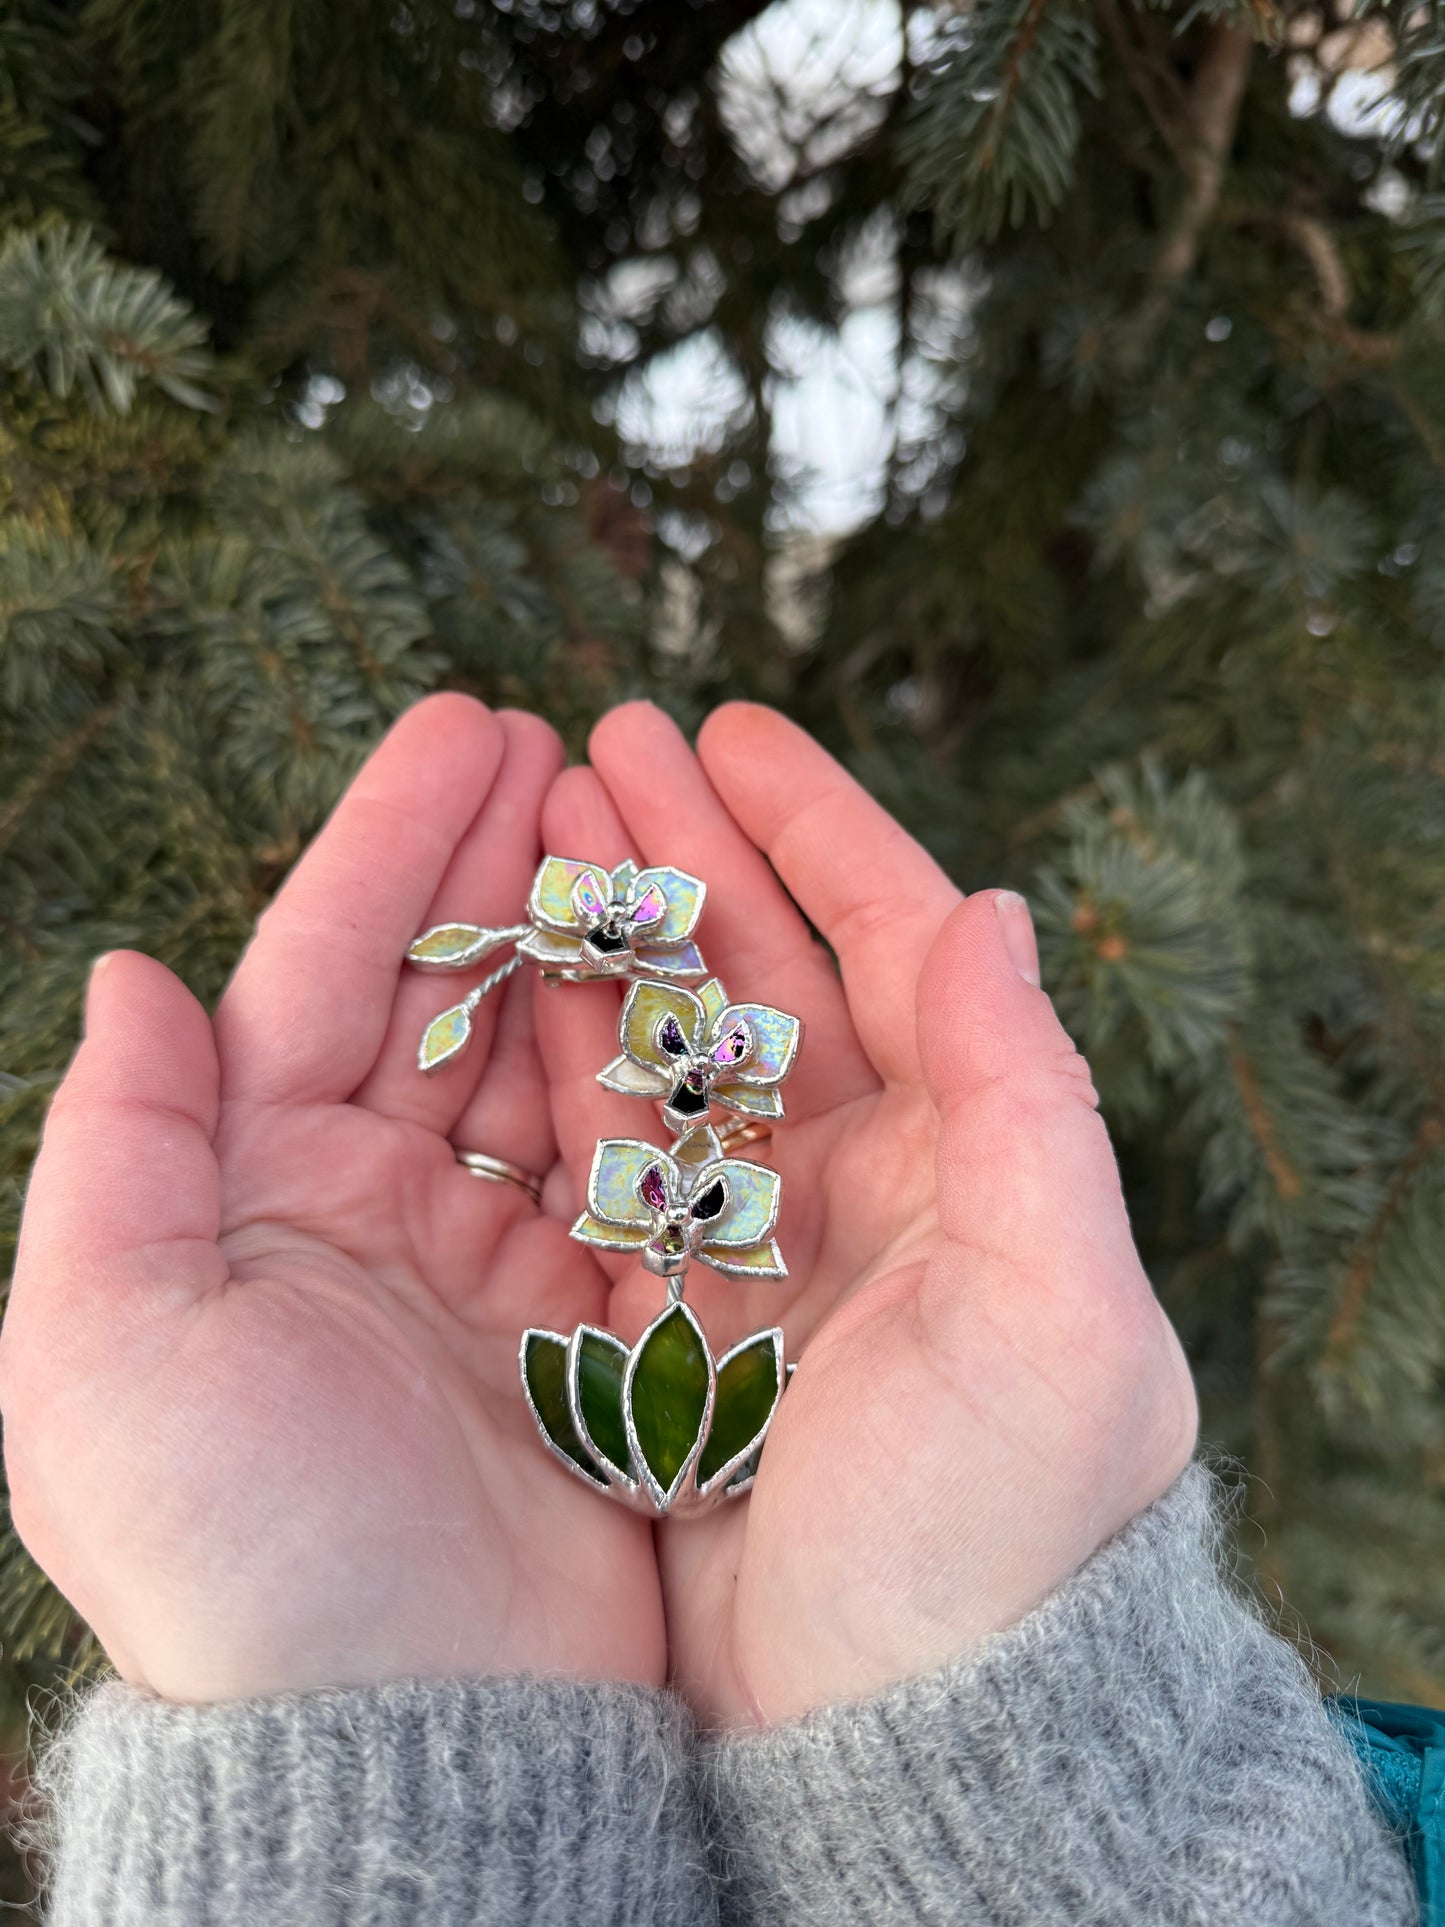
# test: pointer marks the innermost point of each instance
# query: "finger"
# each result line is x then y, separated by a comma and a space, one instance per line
126, 1191
877, 895
751, 934
306, 1012
577, 1024
1025, 1172
486, 882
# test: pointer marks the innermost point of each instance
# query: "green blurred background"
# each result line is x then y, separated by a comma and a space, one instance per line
1042, 400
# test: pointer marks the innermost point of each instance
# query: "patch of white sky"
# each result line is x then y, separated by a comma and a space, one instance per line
801, 85
798, 88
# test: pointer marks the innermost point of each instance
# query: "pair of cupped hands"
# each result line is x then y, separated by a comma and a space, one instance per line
263, 1421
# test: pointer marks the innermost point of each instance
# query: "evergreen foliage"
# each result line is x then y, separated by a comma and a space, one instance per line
317, 327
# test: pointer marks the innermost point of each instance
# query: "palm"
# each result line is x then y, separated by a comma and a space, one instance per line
987, 1388
290, 1451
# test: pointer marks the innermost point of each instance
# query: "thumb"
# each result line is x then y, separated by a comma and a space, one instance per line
125, 1194
1026, 1172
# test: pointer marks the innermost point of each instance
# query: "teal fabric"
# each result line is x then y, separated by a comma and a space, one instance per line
1402, 1751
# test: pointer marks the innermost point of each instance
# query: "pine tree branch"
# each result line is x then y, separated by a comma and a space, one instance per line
1317, 245
1028, 33
66, 752
1215, 101
1287, 1181
1310, 237
1344, 1326
1149, 83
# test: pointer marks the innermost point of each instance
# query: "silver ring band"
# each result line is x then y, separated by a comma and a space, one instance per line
498, 1171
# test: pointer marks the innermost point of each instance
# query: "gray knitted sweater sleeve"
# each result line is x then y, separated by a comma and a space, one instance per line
1140, 1749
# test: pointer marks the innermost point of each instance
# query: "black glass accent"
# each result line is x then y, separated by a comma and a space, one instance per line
687, 1102
606, 938
711, 1201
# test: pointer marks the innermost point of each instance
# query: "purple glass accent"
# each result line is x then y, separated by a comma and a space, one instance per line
696, 1080
588, 898
651, 907
654, 1188
734, 1047
670, 1037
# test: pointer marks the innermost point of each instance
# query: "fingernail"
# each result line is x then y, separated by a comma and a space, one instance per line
1018, 935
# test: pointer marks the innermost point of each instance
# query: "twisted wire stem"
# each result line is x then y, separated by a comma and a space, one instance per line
490, 983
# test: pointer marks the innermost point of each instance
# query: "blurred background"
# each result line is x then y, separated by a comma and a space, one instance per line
1042, 400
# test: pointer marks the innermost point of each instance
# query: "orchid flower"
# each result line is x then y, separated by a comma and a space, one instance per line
690, 1202
584, 922
589, 922
697, 1050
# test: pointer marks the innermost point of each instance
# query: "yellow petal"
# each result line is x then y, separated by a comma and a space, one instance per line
614, 1237
746, 1261
713, 998
648, 1006
550, 903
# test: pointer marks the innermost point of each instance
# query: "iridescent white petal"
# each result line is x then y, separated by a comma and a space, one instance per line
754, 1193
776, 1037
748, 1099
622, 877
697, 1147
684, 895
551, 951
617, 1165
685, 961
634, 1080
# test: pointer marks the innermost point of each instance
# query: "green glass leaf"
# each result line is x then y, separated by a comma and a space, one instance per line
452, 944
669, 1394
601, 1362
545, 1371
749, 1467
747, 1390
443, 1037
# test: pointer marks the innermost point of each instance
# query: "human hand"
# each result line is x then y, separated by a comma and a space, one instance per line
259, 1369
988, 1389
